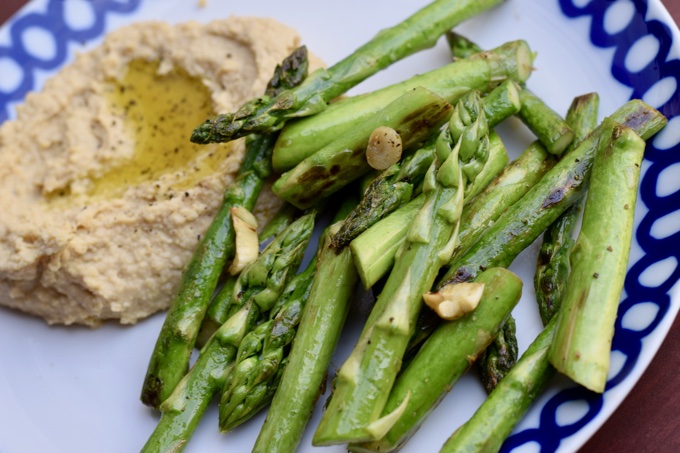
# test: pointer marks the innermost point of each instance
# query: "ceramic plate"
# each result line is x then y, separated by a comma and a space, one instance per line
76, 390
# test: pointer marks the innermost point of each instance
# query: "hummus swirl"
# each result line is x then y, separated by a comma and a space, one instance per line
88, 259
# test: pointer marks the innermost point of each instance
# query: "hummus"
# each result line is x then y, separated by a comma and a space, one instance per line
94, 225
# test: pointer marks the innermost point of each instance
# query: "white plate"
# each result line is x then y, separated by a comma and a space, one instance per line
76, 390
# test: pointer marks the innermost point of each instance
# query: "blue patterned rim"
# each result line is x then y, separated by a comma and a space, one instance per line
52, 21
548, 434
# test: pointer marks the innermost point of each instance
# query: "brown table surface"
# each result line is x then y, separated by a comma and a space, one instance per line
647, 420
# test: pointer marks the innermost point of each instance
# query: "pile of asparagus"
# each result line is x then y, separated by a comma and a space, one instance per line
432, 235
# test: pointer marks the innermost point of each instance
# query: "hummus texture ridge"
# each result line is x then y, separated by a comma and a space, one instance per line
71, 257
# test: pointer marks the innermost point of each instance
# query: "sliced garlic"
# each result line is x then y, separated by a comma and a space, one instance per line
455, 300
247, 243
384, 148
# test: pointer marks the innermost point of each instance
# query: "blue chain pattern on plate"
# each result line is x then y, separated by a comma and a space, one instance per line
52, 21
657, 251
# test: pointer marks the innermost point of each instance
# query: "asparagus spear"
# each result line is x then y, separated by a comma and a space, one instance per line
256, 290
548, 125
415, 116
552, 268
585, 326
365, 379
515, 180
516, 389
260, 356
554, 132
374, 250
170, 358
218, 311
501, 355
318, 333
265, 279
183, 409
491, 424
395, 185
460, 46
300, 139
269, 113
393, 188
220, 306
496, 417
559, 188
445, 356
284, 217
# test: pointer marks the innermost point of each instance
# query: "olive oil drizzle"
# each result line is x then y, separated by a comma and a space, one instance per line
159, 112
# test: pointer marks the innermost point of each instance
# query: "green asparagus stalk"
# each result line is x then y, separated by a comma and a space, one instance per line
394, 186
460, 46
482, 211
255, 292
385, 194
415, 116
559, 189
554, 132
509, 187
501, 355
269, 113
284, 217
220, 306
550, 128
355, 412
552, 267
261, 358
585, 326
219, 310
183, 409
495, 419
445, 356
302, 138
265, 279
318, 333
170, 359
515, 391
374, 250
261, 353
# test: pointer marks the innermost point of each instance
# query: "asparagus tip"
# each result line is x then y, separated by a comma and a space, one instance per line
201, 134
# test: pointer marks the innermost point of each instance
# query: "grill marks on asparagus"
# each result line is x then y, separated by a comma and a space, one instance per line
415, 116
